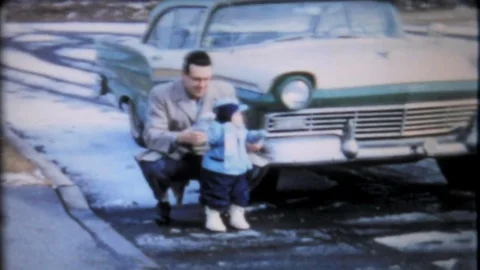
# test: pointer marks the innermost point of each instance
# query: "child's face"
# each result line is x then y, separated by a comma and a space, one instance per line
237, 119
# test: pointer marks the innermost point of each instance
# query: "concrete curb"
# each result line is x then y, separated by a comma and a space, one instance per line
77, 207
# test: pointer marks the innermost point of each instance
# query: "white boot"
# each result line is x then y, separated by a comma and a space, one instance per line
213, 220
237, 217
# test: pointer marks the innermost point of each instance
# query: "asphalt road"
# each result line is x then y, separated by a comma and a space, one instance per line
387, 217
363, 223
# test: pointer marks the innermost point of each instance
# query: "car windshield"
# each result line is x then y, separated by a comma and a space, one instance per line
254, 23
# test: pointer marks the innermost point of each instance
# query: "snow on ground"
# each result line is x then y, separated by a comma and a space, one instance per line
431, 241
395, 219
77, 53
21, 178
92, 142
40, 82
94, 27
37, 38
195, 241
136, 5
88, 66
17, 59
446, 264
459, 215
13, 29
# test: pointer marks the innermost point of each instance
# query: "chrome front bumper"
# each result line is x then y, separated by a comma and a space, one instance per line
337, 149
381, 134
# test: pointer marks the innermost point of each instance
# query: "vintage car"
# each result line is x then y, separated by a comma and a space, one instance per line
332, 82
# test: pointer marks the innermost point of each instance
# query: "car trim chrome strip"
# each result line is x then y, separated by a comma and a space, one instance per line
385, 121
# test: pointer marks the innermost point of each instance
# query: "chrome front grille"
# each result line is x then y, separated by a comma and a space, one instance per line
411, 119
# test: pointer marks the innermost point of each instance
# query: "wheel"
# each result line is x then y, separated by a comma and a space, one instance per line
460, 172
103, 86
136, 125
255, 176
265, 188
470, 3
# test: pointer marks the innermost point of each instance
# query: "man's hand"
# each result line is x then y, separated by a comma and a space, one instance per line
195, 138
254, 147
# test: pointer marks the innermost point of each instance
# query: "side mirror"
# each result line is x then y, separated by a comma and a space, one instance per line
436, 29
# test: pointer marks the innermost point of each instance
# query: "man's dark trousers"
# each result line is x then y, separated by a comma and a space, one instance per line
165, 173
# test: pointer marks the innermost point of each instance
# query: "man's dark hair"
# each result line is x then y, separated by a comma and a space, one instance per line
198, 58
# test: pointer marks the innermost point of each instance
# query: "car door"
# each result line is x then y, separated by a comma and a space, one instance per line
177, 42
173, 35
149, 51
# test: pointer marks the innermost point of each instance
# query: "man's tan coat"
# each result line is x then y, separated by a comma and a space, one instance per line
170, 111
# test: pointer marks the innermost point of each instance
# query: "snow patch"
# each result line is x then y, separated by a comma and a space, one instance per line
306, 240
22, 178
192, 241
136, 5
199, 235
227, 235
326, 249
459, 215
240, 234
92, 142
446, 264
20, 60
88, 66
286, 233
254, 208
175, 231
13, 29
43, 82
156, 240
431, 241
397, 219
37, 38
78, 53
96, 27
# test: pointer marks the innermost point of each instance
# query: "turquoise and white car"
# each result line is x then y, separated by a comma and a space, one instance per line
333, 82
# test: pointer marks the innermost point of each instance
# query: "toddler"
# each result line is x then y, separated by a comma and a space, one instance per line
223, 182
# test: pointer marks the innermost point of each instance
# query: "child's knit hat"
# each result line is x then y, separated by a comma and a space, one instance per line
225, 108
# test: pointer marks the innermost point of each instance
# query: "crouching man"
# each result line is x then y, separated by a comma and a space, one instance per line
174, 147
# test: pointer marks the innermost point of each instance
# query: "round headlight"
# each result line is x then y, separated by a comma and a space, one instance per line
295, 94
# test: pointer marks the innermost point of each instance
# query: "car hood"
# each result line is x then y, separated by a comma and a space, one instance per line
346, 63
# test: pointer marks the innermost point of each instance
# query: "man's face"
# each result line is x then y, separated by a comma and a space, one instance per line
198, 79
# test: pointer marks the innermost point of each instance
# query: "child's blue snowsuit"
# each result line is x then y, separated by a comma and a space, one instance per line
225, 164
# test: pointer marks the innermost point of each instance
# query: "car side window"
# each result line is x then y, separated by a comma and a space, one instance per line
162, 32
186, 27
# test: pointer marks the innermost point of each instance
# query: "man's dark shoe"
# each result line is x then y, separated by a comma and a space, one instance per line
162, 213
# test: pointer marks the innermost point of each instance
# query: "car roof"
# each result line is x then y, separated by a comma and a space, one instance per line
209, 3
165, 4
